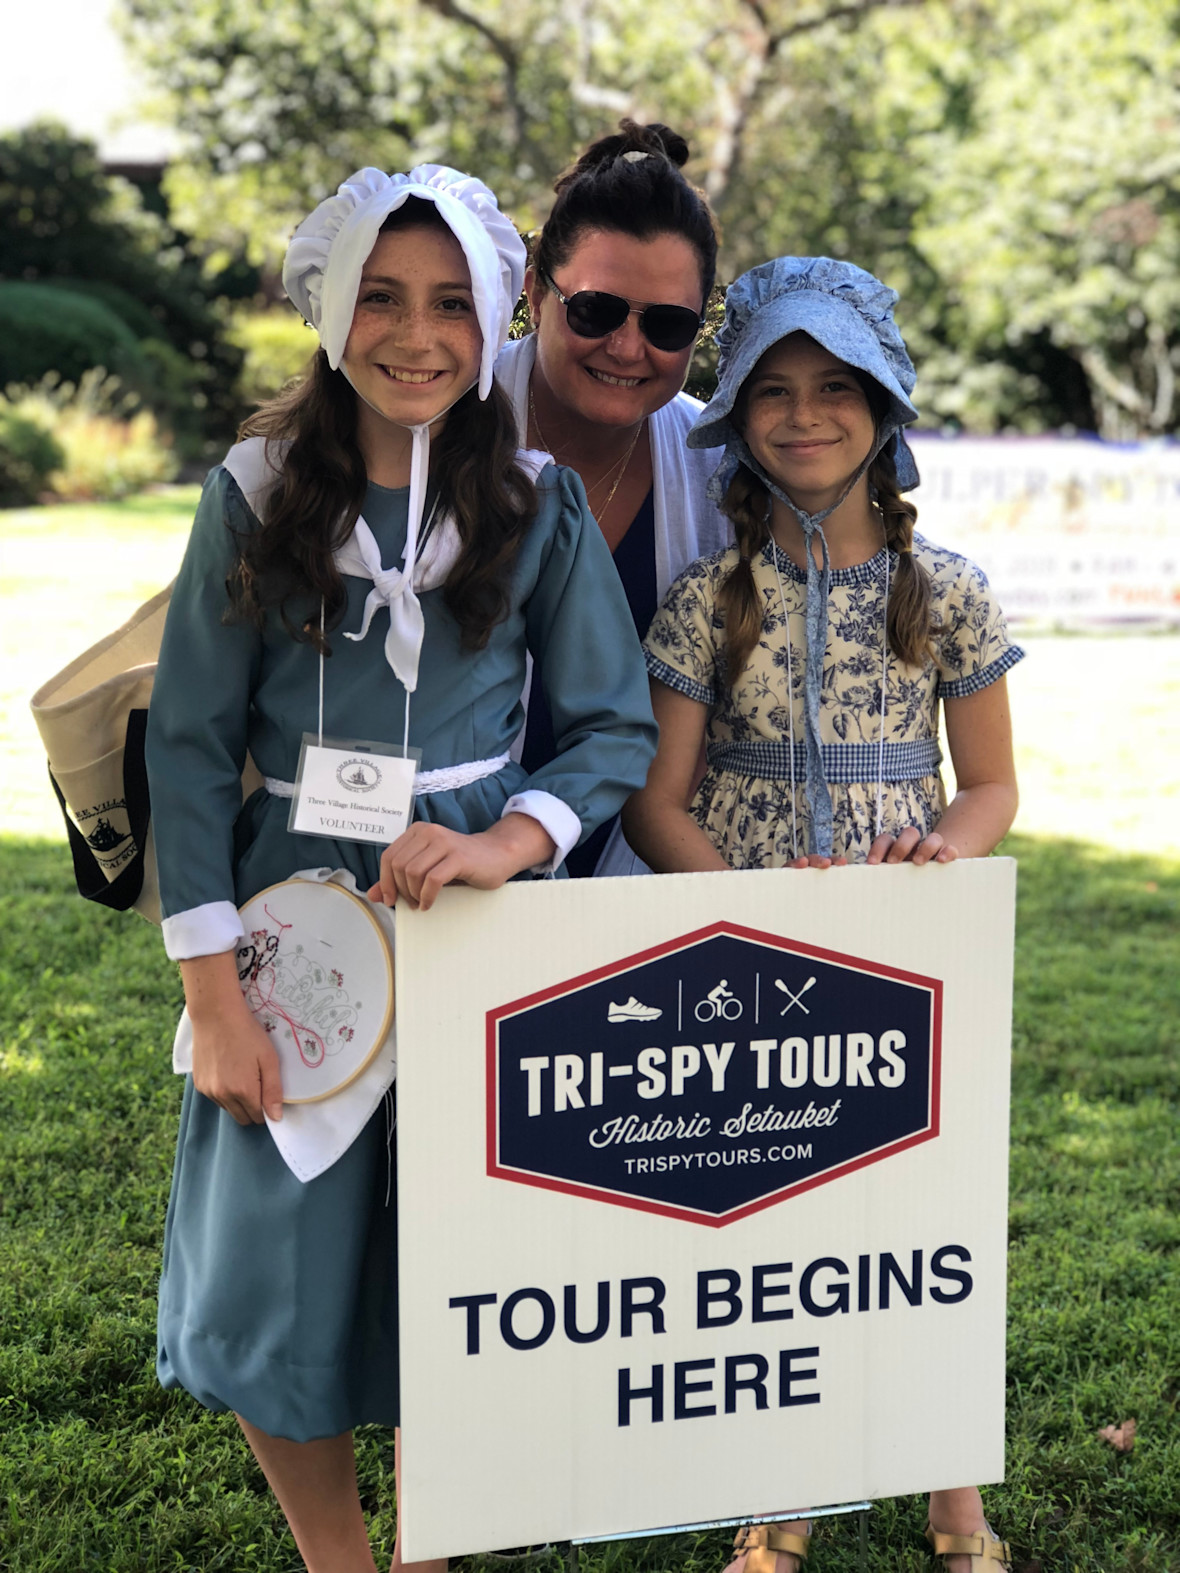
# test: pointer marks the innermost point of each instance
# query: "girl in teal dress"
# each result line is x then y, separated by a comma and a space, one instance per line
388, 481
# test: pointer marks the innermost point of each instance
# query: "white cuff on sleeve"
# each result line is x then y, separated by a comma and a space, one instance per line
551, 814
203, 931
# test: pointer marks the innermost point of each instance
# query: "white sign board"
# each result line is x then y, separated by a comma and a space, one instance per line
702, 1197
1071, 534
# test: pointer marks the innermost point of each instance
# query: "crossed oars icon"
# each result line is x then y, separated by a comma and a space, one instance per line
794, 999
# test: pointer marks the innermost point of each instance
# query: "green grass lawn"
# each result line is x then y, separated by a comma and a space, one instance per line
101, 1470
1097, 746
71, 573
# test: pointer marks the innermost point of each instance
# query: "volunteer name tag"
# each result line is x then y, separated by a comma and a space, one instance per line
353, 791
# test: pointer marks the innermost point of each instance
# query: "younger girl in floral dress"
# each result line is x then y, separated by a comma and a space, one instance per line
810, 658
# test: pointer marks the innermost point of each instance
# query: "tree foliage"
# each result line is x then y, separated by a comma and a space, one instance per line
1055, 218
1009, 165
281, 102
124, 283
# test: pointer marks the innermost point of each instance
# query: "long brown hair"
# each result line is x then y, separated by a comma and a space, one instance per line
909, 624
473, 469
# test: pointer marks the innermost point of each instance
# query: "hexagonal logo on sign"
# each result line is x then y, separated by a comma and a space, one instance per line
713, 1075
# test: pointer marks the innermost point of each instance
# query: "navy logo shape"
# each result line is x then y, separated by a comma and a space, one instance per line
713, 1075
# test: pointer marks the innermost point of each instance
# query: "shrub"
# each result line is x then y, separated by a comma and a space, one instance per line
29, 452
106, 446
276, 345
44, 329
65, 222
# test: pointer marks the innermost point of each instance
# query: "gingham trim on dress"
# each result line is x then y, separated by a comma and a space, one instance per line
960, 687
671, 678
846, 764
870, 572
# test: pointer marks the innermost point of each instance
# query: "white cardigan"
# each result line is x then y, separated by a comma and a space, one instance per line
687, 524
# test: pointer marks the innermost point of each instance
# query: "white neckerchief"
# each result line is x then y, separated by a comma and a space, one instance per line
394, 588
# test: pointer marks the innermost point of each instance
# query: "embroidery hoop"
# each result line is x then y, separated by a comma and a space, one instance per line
327, 1002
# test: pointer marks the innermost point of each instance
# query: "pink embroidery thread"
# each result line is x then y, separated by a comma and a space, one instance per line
260, 995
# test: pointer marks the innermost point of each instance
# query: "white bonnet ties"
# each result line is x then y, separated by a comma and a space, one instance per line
322, 274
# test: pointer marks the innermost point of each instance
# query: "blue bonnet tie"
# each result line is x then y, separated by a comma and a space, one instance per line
850, 313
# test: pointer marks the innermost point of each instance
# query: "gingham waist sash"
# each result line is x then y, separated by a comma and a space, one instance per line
845, 764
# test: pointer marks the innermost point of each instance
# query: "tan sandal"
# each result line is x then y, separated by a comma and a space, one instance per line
762, 1542
979, 1547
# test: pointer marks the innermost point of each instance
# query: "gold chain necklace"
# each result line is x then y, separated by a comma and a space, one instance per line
618, 469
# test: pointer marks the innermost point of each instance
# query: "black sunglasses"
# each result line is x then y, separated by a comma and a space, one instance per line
593, 314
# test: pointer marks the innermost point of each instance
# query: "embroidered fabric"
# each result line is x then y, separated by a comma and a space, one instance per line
311, 1136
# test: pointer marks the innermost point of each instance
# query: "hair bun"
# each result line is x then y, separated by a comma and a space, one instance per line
630, 183
672, 144
630, 138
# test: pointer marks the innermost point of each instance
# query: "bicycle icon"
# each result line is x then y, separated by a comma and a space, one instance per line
719, 1002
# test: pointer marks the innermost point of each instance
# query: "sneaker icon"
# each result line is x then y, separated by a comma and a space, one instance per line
632, 1011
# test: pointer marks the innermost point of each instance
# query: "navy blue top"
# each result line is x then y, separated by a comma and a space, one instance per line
635, 561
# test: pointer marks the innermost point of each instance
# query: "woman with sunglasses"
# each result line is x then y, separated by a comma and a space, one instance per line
617, 287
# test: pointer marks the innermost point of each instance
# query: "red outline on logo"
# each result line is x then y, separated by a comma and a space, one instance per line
665, 1209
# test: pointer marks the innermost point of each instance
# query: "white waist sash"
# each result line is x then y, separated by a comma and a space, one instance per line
426, 782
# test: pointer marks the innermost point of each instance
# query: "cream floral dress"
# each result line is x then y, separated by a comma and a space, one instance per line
745, 801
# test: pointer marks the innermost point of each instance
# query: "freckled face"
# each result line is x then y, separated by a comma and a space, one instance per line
414, 346
620, 378
806, 420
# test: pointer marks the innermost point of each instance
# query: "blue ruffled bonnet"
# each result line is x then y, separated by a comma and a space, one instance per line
840, 306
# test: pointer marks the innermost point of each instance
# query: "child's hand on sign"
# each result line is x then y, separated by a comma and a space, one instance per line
911, 847
427, 857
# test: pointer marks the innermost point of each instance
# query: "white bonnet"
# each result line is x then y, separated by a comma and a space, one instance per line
323, 265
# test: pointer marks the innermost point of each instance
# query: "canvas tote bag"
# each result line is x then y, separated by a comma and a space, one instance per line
92, 718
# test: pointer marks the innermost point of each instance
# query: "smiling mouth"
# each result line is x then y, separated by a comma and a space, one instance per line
414, 378
614, 382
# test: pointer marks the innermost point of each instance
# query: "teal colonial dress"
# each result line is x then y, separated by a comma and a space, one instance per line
278, 1299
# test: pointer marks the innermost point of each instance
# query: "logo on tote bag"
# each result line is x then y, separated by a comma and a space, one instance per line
106, 827
714, 1075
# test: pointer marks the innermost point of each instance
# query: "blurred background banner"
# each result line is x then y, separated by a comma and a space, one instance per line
1072, 534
